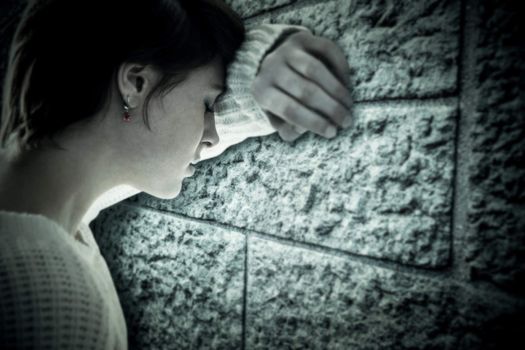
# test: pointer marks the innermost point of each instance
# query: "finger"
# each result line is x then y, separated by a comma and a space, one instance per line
313, 96
313, 69
275, 121
299, 129
329, 52
288, 133
279, 124
293, 112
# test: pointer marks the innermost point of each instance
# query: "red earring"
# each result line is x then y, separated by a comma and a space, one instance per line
126, 117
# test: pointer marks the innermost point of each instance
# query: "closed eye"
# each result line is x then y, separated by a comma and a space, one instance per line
208, 108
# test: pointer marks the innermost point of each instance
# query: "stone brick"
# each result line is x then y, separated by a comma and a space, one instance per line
396, 49
301, 299
179, 283
495, 249
248, 8
382, 188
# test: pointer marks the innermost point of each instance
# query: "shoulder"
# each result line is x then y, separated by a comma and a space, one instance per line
46, 287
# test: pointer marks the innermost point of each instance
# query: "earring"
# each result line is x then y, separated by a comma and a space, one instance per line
126, 117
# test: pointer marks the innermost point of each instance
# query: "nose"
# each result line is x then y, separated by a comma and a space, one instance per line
210, 135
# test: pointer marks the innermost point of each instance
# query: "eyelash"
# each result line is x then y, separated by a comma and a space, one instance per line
208, 109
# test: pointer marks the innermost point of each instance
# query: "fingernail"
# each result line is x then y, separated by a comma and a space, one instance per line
330, 131
347, 122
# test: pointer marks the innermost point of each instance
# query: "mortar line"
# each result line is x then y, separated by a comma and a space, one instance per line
411, 102
376, 261
443, 273
482, 289
466, 109
245, 292
455, 178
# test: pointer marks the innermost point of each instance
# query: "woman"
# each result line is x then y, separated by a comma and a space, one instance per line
80, 76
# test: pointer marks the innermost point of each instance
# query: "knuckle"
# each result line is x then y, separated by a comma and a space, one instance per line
309, 68
298, 36
284, 78
289, 111
307, 92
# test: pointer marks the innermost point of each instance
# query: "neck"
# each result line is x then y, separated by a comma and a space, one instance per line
61, 185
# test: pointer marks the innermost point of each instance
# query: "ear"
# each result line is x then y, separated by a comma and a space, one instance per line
136, 80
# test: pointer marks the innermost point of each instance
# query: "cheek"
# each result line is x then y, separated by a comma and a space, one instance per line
198, 124
190, 130
184, 123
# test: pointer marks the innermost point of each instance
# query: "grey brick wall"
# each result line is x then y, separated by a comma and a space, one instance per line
406, 231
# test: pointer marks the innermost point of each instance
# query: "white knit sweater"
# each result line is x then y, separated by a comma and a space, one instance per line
56, 291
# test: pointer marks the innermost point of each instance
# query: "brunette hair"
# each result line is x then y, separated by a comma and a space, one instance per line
45, 91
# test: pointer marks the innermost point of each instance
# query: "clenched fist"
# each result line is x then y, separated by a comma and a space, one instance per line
301, 87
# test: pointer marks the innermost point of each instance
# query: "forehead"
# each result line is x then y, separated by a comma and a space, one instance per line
212, 74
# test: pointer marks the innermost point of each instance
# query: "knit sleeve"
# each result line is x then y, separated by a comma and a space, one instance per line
238, 116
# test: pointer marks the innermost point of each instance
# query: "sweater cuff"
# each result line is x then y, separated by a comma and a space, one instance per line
238, 116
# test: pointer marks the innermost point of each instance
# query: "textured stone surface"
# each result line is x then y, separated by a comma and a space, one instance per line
300, 299
248, 8
381, 189
396, 49
496, 240
180, 283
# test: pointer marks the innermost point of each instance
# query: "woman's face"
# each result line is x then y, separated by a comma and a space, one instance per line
181, 125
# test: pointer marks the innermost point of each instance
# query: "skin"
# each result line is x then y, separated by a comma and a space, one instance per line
301, 86
105, 151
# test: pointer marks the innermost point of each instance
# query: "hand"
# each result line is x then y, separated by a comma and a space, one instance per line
299, 92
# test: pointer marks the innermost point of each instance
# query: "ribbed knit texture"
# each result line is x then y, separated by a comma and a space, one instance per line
56, 291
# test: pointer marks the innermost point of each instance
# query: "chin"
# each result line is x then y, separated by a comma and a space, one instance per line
170, 191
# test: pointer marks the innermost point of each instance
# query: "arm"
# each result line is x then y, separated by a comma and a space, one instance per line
238, 116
